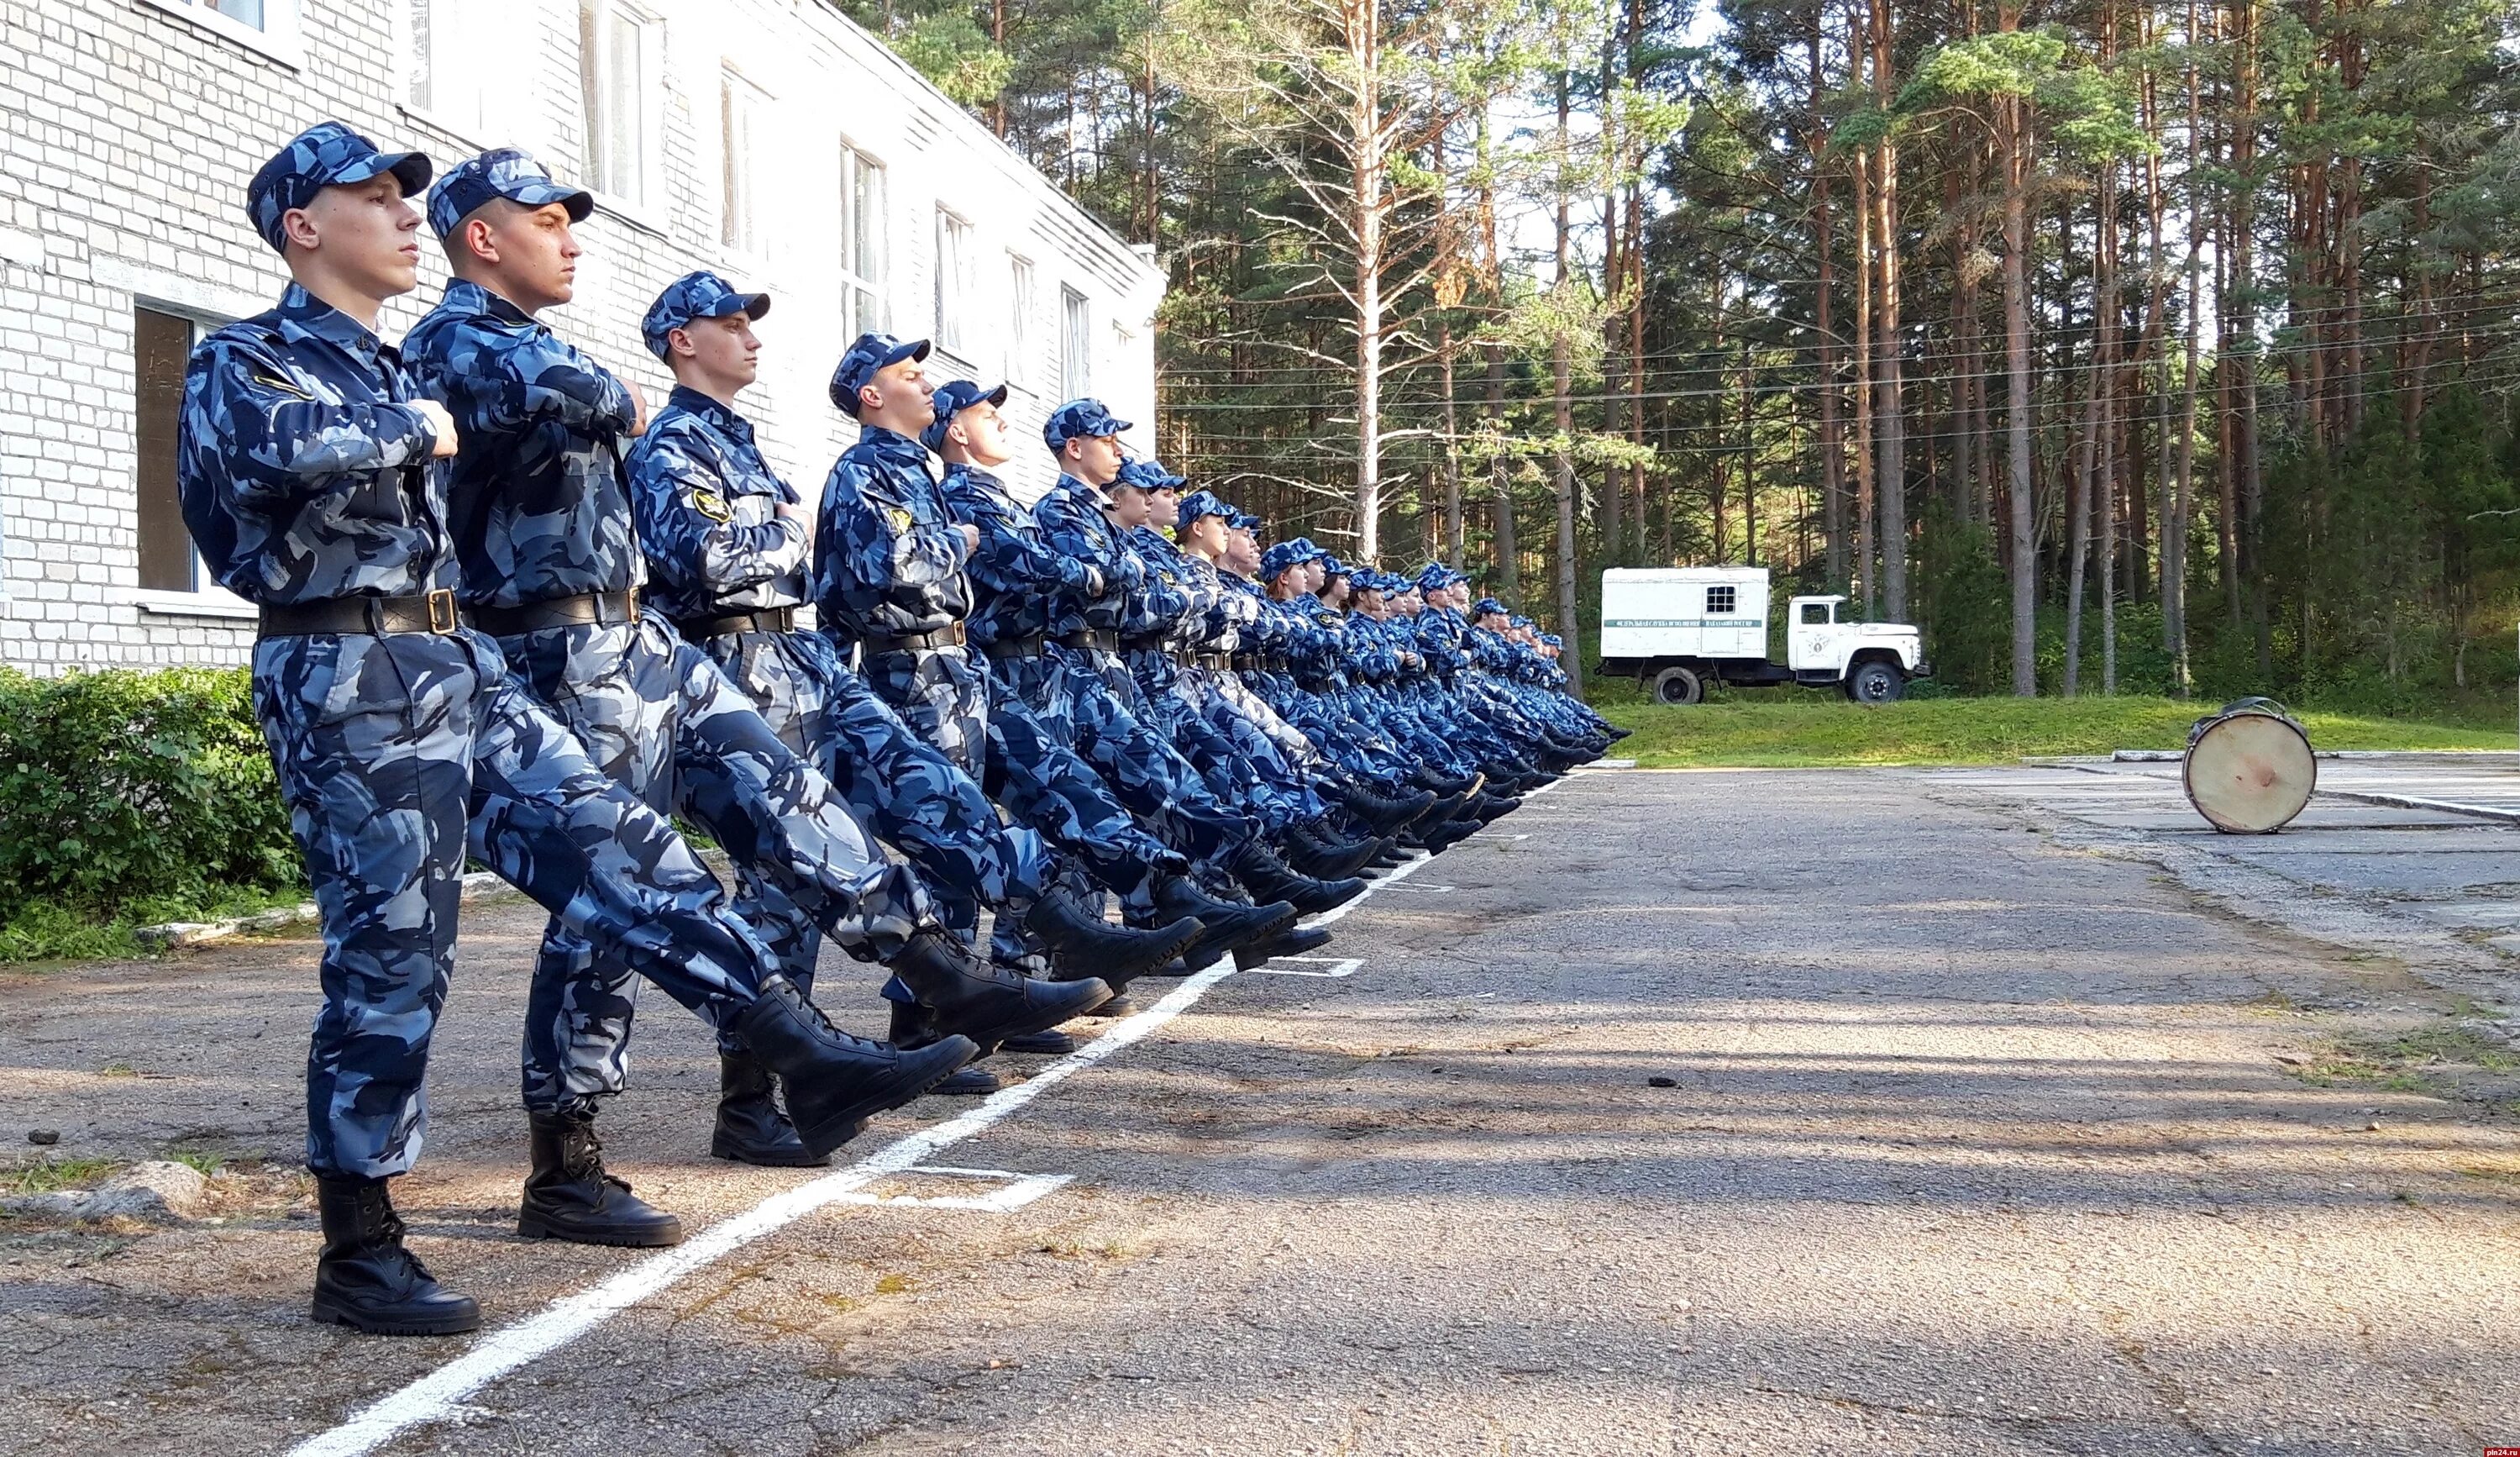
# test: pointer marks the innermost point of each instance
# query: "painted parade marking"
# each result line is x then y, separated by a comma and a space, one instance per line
1334, 966
1019, 1188
442, 1393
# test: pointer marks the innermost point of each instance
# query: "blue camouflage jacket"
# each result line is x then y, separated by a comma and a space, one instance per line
888, 556
1072, 524
537, 501
1015, 571
304, 472
1170, 600
707, 509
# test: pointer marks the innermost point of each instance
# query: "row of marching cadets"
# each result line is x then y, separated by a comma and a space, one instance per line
509, 613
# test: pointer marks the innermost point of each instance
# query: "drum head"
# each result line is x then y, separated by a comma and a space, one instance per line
2250, 773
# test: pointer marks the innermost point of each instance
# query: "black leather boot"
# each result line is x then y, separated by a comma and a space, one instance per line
1226, 924
971, 998
569, 1197
1086, 945
366, 1280
1327, 859
1382, 812
1258, 867
750, 1127
1296, 941
834, 1082
913, 1028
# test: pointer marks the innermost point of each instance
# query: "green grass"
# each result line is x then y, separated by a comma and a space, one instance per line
1795, 729
42, 930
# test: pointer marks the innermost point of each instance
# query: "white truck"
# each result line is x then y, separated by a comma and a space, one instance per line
1678, 628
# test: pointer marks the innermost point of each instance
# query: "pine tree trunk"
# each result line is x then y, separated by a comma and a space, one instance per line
1890, 417
2014, 125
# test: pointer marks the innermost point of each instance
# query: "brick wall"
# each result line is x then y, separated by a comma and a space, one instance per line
131, 130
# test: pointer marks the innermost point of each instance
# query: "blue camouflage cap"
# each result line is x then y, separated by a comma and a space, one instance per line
1202, 503
326, 155
1284, 555
1244, 520
953, 397
1079, 420
1435, 576
1486, 605
1149, 475
1519, 620
500, 172
696, 296
1334, 567
1553, 640
857, 367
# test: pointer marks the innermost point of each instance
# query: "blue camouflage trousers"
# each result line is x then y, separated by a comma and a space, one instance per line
903, 786
941, 696
396, 753
1041, 781
1070, 694
662, 720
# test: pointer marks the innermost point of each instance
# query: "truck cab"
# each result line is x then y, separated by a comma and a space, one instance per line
1679, 629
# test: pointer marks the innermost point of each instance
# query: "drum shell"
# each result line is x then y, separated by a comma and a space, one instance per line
2249, 769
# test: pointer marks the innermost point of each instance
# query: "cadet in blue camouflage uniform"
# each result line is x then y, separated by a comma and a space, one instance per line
1032, 769
543, 532
725, 542
311, 477
1079, 680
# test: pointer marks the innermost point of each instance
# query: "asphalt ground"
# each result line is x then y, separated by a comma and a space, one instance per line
1978, 1137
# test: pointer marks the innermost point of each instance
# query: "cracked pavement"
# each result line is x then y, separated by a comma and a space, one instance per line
1977, 1142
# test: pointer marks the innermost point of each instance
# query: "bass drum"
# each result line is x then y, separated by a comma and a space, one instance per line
2249, 768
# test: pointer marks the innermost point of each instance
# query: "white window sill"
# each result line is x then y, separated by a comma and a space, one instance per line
279, 46
213, 604
646, 220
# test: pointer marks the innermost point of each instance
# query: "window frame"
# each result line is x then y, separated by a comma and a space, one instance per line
645, 95
1731, 607
1076, 343
735, 165
435, 110
205, 598
955, 283
1023, 292
280, 37
865, 302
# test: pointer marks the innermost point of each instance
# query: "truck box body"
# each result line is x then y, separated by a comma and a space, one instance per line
1711, 613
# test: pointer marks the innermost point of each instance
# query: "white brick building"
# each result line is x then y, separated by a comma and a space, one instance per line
771, 140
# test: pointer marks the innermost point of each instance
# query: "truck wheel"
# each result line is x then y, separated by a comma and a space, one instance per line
1874, 682
1679, 687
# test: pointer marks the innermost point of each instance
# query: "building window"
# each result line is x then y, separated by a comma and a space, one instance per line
863, 220
619, 46
740, 125
448, 77
1019, 318
1075, 344
953, 279
269, 26
1719, 601
161, 343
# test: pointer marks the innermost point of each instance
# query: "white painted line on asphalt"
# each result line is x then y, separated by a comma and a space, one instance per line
1427, 889
1021, 1190
441, 1394
1338, 966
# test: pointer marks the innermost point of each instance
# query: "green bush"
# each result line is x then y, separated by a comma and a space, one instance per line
119, 789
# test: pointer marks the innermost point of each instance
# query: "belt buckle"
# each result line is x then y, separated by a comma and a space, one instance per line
443, 616
631, 609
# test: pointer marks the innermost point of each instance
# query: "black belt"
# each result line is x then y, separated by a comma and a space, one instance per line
1213, 659
1022, 646
759, 620
368, 616
1091, 637
598, 608
948, 636
1144, 642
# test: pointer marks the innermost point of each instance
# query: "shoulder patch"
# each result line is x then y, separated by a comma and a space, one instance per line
709, 503
900, 518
